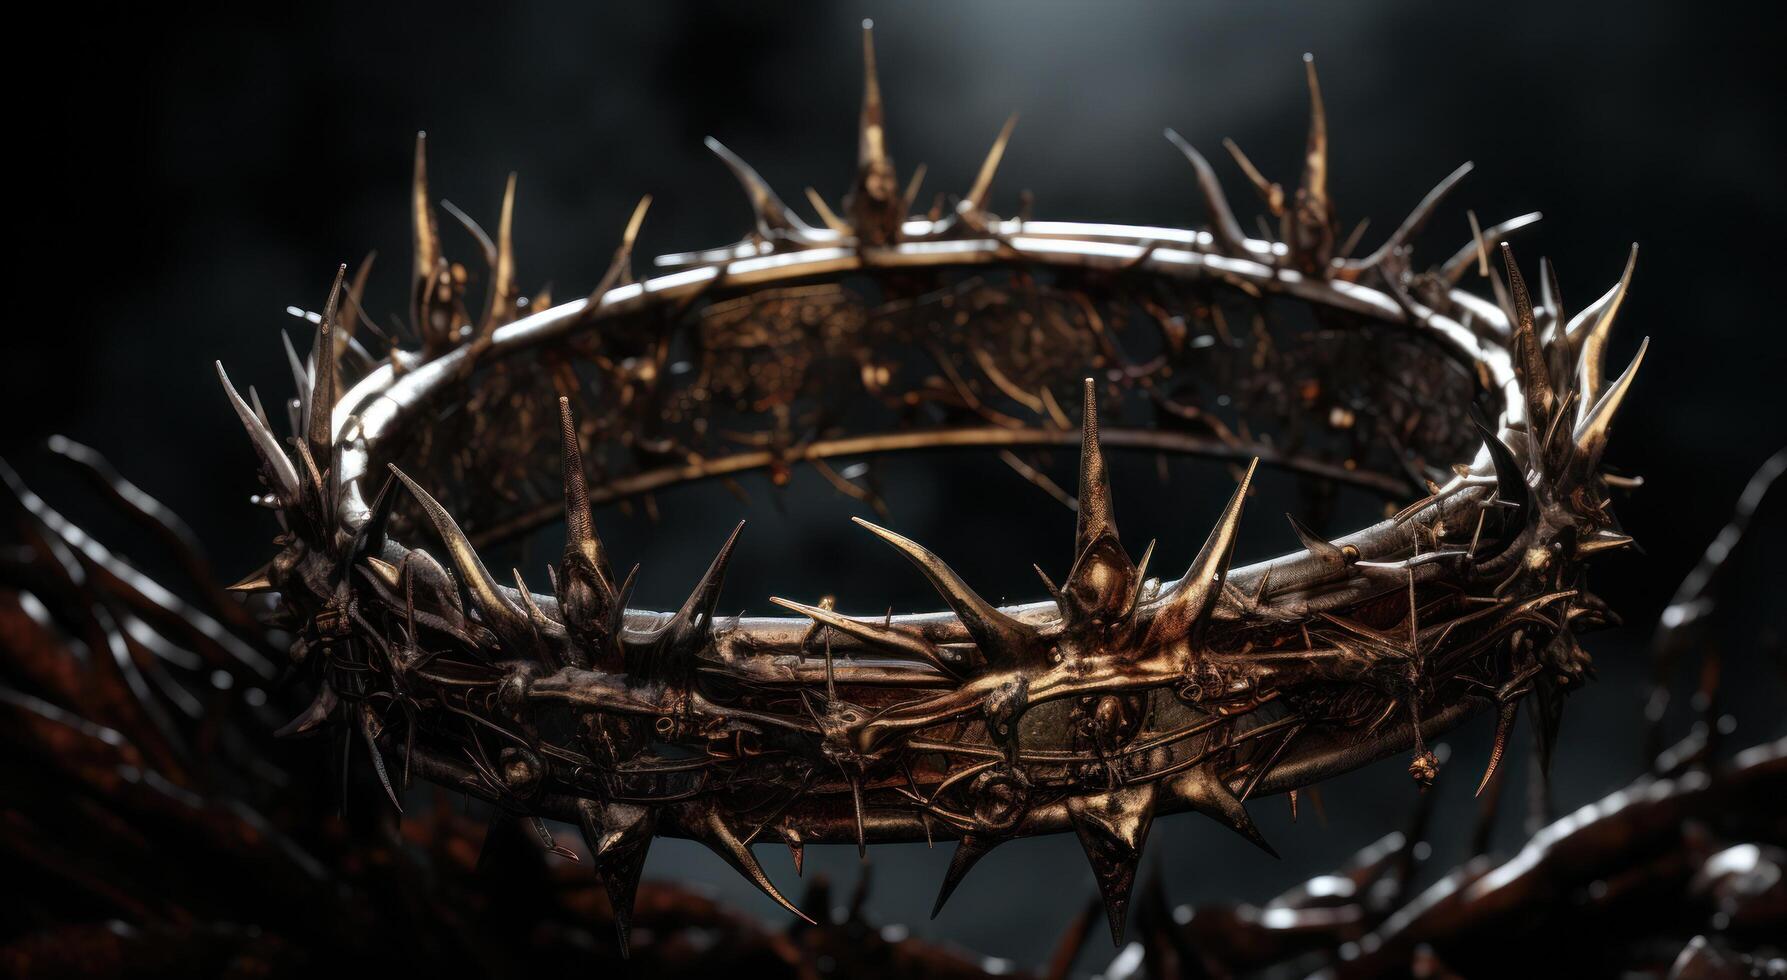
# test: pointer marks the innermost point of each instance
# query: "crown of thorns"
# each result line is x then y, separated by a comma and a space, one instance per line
1118, 696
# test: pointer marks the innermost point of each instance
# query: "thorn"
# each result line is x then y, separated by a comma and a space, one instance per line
1185, 608
1504, 725
1591, 363
1590, 436
509, 624
1113, 827
711, 829
774, 220
276, 468
976, 201
320, 428
618, 836
321, 707
1226, 230
620, 268
969, 850
255, 581
1002, 639
1201, 790
1417, 218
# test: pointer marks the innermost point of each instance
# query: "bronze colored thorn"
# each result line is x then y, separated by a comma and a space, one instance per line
709, 827
1452, 271
889, 638
1590, 363
1529, 357
620, 268
618, 836
255, 581
1200, 789
1002, 640
1270, 191
1113, 827
826, 215
509, 624
368, 727
321, 707
1315, 544
1223, 227
1590, 436
969, 850
1504, 726
276, 468
773, 219
1412, 224
320, 429
1183, 610
975, 202
425, 241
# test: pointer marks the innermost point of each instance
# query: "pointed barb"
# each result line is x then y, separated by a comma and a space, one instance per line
976, 200
1230, 239
1185, 608
276, 467
1096, 518
1113, 827
711, 829
774, 220
1002, 639
319, 428
425, 233
509, 624
620, 268
969, 850
618, 836
1529, 356
1202, 790
1504, 726
1590, 435
1591, 360
890, 639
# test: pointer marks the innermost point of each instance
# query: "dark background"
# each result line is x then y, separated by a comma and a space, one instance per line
187, 176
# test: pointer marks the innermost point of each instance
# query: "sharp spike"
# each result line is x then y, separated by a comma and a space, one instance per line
1590, 435
1412, 224
874, 203
276, 467
424, 231
969, 850
1474, 251
1096, 517
618, 836
368, 726
1001, 639
827, 215
1315, 544
1504, 725
1113, 827
1223, 225
255, 581
976, 201
1510, 476
321, 707
697, 613
580, 527
890, 639
774, 220
1183, 609
500, 308
620, 268
1315, 150
1200, 789
710, 828
1590, 363
319, 428
1603, 540
509, 624
1529, 356
350, 312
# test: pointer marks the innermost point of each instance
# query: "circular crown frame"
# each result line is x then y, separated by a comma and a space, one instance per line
1117, 698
